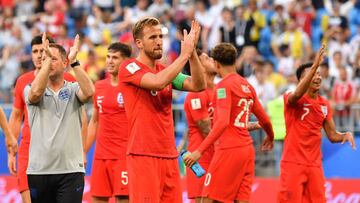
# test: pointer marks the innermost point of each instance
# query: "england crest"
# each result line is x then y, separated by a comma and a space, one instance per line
120, 100
245, 89
324, 110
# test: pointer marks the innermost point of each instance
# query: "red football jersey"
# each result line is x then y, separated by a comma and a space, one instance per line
304, 121
112, 132
19, 101
149, 112
238, 98
198, 106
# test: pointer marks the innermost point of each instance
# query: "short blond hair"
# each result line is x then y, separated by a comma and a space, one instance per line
139, 26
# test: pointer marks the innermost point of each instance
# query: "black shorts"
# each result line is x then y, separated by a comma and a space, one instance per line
57, 188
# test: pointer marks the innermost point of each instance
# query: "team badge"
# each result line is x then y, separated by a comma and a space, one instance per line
195, 103
120, 99
132, 67
64, 94
324, 110
245, 89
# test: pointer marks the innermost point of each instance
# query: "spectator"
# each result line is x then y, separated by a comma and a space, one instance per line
342, 97
255, 22
240, 26
210, 33
245, 61
296, 39
137, 12
279, 20
264, 89
275, 78
327, 81
338, 63
304, 13
158, 8
63, 38
286, 62
228, 29
338, 43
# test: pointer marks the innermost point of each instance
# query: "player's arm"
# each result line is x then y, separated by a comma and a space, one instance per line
222, 109
335, 136
163, 78
38, 86
9, 138
196, 82
11, 144
15, 120
204, 126
87, 88
304, 83
84, 127
92, 129
265, 123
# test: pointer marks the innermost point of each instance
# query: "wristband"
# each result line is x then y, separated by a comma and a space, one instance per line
76, 63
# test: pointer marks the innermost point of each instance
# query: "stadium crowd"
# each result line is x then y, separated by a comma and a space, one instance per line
272, 37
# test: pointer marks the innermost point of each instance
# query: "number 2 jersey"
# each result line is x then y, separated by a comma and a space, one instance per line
112, 132
236, 95
304, 121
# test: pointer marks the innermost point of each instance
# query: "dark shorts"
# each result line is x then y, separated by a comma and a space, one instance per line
56, 188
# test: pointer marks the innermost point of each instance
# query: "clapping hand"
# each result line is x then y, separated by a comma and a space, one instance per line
74, 50
45, 45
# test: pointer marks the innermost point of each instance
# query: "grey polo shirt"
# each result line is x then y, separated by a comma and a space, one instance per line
55, 124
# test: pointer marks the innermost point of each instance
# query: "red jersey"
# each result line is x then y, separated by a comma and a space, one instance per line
343, 91
304, 121
304, 21
198, 106
19, 101
149, 113
112, 132
234, 101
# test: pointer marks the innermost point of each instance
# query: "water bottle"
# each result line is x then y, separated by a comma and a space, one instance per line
196, 168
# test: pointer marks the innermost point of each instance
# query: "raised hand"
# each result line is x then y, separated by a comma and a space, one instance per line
45, 45
74, 50
348, 136
267, 144
319, 56
187, 44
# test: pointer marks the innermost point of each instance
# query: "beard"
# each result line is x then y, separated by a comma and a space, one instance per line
156, 54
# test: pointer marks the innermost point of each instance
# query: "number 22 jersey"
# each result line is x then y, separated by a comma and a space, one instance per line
236, 95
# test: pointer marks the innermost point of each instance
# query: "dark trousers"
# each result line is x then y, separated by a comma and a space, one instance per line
56, 188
